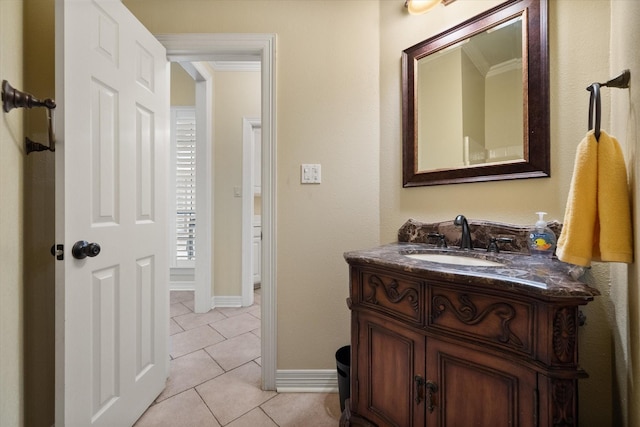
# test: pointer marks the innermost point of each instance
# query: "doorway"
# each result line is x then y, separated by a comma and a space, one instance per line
193, 133
251, 207
248, 47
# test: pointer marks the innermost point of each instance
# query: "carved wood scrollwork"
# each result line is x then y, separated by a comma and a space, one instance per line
392, 293
563, 403
564, 335
468, 314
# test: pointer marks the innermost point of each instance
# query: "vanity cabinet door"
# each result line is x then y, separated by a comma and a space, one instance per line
474, 388
390, 358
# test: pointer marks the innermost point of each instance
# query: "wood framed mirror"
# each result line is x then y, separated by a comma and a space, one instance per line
475, 101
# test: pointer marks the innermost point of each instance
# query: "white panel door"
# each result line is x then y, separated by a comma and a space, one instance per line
111, 184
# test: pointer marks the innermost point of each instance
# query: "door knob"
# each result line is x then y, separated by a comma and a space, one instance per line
82, 249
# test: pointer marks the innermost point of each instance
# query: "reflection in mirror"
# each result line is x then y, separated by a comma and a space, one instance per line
479, 84
475, 104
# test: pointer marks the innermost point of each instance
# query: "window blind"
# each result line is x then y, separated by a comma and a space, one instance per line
185, 186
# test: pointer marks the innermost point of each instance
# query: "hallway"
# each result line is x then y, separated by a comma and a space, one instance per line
215, 375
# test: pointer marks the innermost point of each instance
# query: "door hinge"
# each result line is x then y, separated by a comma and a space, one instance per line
58, 251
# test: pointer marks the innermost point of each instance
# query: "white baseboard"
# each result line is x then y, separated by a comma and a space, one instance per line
226, 301
219, 301
307, 381
182, 286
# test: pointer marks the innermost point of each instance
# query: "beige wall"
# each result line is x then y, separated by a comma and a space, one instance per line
183, 87
473, 109
624, 317
503, 103
236, 95
11, 221
440, 120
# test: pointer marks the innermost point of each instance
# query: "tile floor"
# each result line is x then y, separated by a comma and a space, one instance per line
215, 375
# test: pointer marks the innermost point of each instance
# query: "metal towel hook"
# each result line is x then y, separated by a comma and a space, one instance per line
14, 98
594, 104
621, 81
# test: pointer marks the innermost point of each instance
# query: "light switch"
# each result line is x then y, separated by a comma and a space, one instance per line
310, 174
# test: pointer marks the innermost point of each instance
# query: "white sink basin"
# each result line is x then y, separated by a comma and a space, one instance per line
454, 259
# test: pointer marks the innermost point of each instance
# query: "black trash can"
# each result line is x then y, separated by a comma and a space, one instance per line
343, 362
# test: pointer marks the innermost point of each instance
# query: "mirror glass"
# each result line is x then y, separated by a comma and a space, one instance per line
476, 100
479, 83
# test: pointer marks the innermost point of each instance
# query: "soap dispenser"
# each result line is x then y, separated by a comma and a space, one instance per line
542, 240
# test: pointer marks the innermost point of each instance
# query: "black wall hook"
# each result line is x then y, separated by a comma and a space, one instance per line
14, 98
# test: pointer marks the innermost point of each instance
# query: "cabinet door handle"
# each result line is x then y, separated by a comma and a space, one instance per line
419, 381
431, 388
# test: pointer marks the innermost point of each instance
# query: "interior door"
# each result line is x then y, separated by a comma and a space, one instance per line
111, 183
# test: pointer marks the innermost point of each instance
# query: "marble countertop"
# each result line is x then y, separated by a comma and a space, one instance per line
537, 276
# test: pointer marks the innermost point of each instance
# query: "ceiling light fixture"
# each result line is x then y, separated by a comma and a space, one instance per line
418, 7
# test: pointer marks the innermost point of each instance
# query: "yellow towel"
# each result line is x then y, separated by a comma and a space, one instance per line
597, 221
614, 208
576, 240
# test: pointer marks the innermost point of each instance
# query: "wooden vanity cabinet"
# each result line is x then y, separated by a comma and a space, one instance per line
432, 353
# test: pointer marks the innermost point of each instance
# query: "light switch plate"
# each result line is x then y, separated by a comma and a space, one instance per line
310, 173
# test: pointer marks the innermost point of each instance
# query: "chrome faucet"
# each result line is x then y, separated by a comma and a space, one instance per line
465, 242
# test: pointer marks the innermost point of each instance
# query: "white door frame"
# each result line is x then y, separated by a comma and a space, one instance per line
234, 47
203, 301
248, 185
